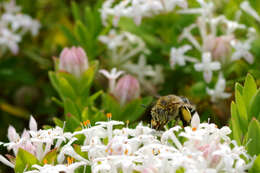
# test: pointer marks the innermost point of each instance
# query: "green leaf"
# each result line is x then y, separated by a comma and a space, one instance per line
85, 114
75, 11
24, 159
71, 108
239, 88
58, 122
256, 166
94, 97
254, 106
253, 137
242, 112
86, 81
249, 90
55, 82
236, 127
50, 157
65, 88
70, 36
111, 105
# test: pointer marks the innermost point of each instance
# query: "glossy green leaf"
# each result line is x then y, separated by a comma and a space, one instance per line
239, 88
55, 83
249, 90
75, 11
70, 36
85, 114
253, 137
255, 106
110, 104
66, 89
256, 166
50, 157
242, 112
93, 97
235, 123
86, 81
24, 159
58, 122
71, 108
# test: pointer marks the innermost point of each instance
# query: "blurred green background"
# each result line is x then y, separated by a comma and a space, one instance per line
25, 88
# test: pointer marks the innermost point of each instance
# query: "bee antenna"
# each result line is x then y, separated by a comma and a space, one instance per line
143, 105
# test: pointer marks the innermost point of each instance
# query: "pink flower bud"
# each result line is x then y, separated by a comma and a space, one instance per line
219, 47
73, 60
127, 89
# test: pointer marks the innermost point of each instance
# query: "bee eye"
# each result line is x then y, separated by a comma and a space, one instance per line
185, 100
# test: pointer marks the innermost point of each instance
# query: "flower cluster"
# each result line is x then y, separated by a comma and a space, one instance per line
201, 147
123, 47
217, 43
138, 9
13, 25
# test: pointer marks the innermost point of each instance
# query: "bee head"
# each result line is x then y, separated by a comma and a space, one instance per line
186, 114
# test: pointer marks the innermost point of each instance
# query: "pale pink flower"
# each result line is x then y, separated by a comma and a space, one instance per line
73, 60
127, 89
219, 47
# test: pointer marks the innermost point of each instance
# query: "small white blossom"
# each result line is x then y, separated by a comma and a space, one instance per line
248, 9
57, 168
13, 25
207, 66
112, 76
205, 148
137, 9
219, 91
242, 51
178, 57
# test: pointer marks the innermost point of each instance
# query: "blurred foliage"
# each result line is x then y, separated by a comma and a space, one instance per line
25, 87
245, 115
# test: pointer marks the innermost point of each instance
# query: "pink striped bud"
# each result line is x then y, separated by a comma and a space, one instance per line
73, 60
127, 89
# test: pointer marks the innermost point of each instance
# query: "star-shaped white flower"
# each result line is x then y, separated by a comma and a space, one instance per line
207, 66
219, 91
178, 57
242, 51
248, 9
111, 76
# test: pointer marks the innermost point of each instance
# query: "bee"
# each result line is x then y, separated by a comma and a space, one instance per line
170, 107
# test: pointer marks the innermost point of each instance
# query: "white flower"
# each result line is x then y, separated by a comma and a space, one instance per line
57, 168
32, 124
17, 142
219, 91
141, 69
10, 40
13, 25
206, 9
232, 26
123, 46
178, 57
205, 148
207, 66
68, 150
112, 76
248, 9
109, 125
186, 34
242, 51
137, 9
6, 162
195, 121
